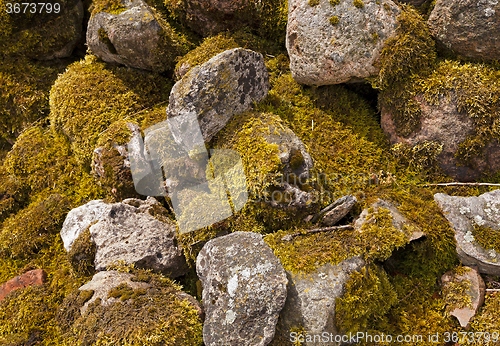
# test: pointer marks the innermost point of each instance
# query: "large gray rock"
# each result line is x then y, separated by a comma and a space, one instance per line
244, 290
210, 94
103, 282
80, 218
463, 213
134, 37
399, 221
470, 28
311, 298
444, 124
474, 292
130, 233
323, 53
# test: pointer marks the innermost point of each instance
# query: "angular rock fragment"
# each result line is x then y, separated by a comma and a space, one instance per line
476, 222
244, 290
336, 211
337, 42
33, 277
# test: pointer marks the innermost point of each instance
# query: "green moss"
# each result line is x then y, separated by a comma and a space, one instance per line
369, 296
486, 320
358, 3
418, 158
142, 317
334, 2
82, 254
313, 3
69, 310
411, 51
109, 6
79, 109
375, 36
334, 20
487, 237
456, 293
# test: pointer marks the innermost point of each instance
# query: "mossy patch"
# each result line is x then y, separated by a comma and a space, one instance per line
334, 20
79, 109
456, 293
82, 254
487, 237
108, 6
487, 321
125, 292
313, 3
358, 3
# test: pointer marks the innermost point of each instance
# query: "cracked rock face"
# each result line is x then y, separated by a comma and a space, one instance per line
468, 27
213, 92
463, 213
323, 53
244, 290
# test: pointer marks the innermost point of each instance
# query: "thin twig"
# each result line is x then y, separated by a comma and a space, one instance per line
289, 237
408, 294
461, 184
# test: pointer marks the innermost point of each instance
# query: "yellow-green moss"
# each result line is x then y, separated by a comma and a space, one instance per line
368, 297
487, 321
358, 3
487, 237
456, 293
108, 6
82, 254
418, 158
125, 292
334, 2
79, 109
334, 20
375, 36
313, 3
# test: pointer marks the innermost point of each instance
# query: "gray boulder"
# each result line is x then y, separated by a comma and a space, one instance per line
134, 37
399, 221
466, 213
332, 44
80, 218
470, 28
130, 233
474, 294
445, 124
210, 94
336, 211
311, 298
244, 290
103, 282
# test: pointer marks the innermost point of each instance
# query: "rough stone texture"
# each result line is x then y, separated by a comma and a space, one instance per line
336, 211
80, 218
33, 277
213, 92
322, 53
209, 17
398, 220
311, 298
133, 38
105, 281
443, 123
462, 213
415, 3
468, 27
244, 290
128, 232
475, 293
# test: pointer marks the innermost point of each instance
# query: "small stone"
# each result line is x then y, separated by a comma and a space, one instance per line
33, 277
337, 210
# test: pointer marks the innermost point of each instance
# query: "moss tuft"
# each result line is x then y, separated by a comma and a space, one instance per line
487, 237
82, 254
108, 6
334, 2
334, 20
358, 3
125, 292
456, 293
313, 3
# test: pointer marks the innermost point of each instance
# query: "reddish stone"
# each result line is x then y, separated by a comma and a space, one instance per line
33, 277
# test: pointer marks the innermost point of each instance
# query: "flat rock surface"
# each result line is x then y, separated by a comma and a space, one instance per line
33, 277
311, 298
463, 213
323, 53
244, 290
470, 28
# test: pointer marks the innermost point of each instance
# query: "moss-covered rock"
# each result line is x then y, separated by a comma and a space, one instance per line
82, 254
80, 111
40, 32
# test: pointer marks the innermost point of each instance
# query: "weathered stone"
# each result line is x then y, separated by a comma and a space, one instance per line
134, 37
469, 28
443, 123
80, 218
400, 222
336, 211
415, 3
311, 298
105, 281
210, 94
33, 277
244, 289
463, 213
475, 293
323, 52
129, 232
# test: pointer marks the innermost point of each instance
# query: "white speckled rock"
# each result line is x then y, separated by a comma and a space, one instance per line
322, 53
213, 92
311, 298
244, 290
463, 213
80, 218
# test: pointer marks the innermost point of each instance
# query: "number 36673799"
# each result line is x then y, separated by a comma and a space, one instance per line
32, 7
